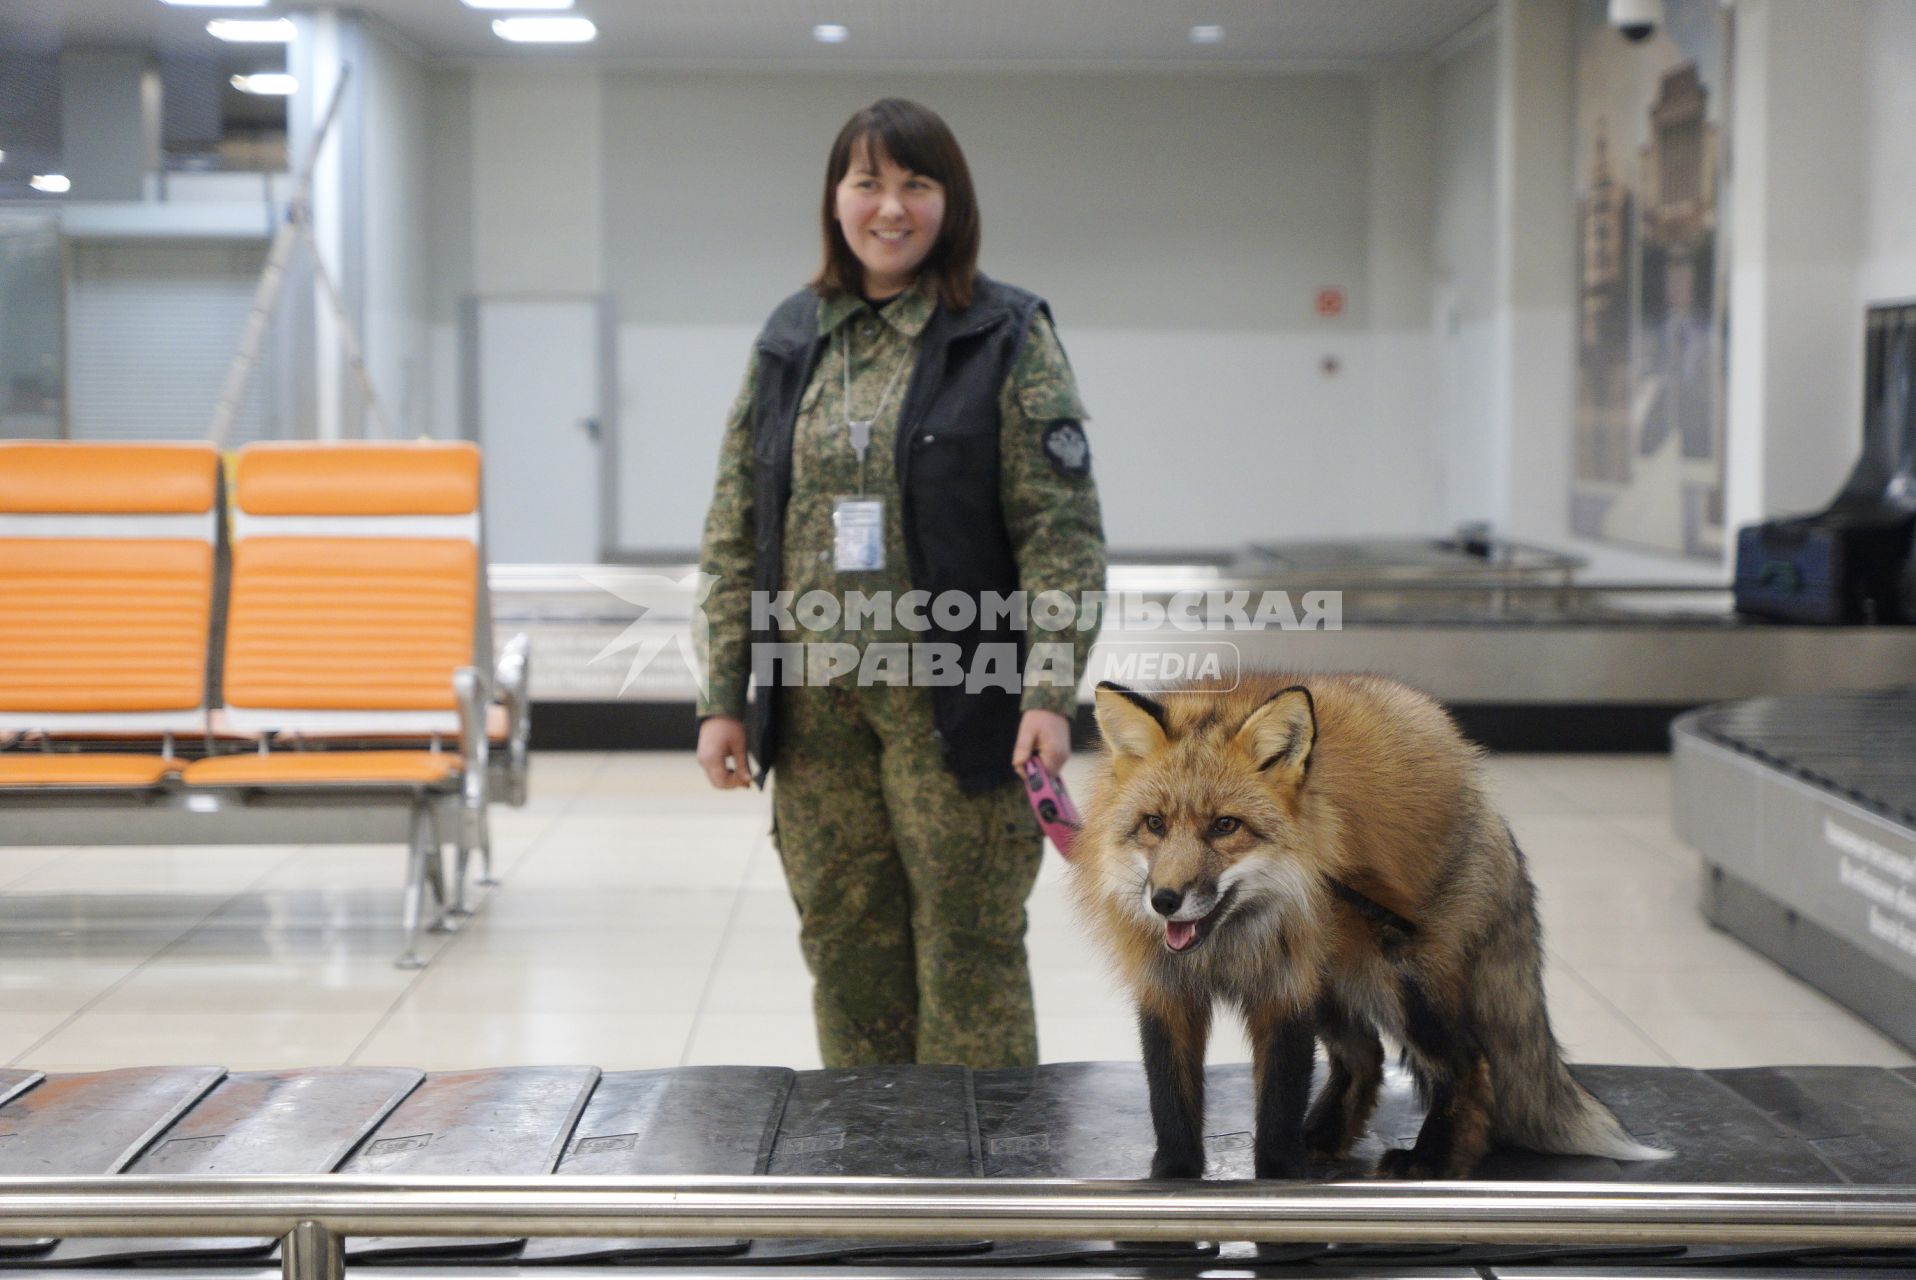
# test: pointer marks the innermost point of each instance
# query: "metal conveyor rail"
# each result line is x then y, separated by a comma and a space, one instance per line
314, 1215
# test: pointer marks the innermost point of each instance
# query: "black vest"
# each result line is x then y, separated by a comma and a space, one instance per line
947, 453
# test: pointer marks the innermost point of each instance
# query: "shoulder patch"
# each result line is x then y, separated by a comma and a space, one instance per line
1066, 448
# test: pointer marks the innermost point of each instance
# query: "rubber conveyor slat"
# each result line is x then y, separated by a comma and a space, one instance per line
92, 1123
888, 1122
1779, 1125
514, 1121
709, 1120
255, 1122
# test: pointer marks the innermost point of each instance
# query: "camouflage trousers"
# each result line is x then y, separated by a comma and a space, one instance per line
911, 894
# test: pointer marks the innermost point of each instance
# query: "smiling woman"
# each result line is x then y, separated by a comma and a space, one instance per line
900, 822
890, 217
897, 188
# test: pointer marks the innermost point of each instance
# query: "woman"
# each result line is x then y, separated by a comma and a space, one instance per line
906, 426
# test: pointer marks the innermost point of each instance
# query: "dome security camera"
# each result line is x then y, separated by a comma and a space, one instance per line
1636, 19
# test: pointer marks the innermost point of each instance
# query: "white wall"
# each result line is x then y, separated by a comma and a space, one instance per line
536, 169
1888, 268
1179, 225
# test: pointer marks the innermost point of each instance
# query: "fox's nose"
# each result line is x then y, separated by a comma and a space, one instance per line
1166, 901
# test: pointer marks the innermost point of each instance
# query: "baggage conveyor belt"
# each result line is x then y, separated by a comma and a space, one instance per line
1803, 809
1811, 1128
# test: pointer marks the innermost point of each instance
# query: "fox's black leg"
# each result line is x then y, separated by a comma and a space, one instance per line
1456, 1132
1174, 1067
1338, 1117
1281, 1044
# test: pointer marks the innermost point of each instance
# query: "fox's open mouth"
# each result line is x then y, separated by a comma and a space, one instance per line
1184, 935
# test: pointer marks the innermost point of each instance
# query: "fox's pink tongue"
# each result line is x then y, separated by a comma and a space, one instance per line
1179, 934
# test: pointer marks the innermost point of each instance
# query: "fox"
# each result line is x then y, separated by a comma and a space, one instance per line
1320, 852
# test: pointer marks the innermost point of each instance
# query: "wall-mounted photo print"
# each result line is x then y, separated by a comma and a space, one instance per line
1652, 205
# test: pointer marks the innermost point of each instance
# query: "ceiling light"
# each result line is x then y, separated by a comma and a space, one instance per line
831, 33
521, 5
54, 184
545, 30
271, 84
252, 30
1209, 33
217, 4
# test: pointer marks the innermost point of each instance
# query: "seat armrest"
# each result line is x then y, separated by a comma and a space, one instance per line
512, 679
470, 694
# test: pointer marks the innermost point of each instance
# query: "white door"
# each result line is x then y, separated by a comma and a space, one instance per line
540, 423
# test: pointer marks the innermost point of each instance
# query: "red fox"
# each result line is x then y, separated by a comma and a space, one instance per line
1319, 851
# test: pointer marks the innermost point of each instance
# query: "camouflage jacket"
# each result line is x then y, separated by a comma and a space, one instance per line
1048, 498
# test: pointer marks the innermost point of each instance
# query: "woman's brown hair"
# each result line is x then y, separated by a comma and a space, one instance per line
914, 138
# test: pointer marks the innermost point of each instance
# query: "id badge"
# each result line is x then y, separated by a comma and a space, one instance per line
858, 534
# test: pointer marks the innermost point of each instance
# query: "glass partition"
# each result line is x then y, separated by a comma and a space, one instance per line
32, 327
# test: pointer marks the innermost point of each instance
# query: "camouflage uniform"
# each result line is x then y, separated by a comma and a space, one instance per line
910, 892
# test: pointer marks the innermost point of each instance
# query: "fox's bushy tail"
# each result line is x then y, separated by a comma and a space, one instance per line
1576, 1124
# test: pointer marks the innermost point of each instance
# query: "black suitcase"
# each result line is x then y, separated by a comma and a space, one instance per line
1850, 563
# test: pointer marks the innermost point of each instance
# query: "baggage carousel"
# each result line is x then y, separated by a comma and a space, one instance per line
1804, 810
1530, 656
930, 1171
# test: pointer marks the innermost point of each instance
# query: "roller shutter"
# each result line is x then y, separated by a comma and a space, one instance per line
152, 328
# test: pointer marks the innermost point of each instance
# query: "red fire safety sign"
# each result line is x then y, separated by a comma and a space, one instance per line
1330, 302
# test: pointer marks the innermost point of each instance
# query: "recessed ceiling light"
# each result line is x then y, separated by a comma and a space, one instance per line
217, 4
520, 5
252, 30
271, 84
1209, 33
831, 33
54, 184
545, 30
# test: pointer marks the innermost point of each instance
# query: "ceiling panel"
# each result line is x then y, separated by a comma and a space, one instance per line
918, 33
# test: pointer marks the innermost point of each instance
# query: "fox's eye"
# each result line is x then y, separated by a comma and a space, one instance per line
1225, 826
1154, 824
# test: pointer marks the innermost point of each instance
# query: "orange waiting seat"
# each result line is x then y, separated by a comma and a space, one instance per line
106, 600
353, 609
404, 768
71, 769
355, 622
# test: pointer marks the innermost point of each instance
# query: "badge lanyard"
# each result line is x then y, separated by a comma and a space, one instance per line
859, 430
858, 524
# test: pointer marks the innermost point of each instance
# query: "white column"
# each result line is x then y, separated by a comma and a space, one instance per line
109, 121
1799, 180
1403, 409
322, 62
1536, 267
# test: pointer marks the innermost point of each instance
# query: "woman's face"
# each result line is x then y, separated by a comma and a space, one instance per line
890, 217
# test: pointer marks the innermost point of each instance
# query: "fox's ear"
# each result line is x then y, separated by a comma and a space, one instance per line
1132, 723
1279, 735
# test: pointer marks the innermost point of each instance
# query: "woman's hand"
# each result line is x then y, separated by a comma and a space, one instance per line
722, 752
1044, 734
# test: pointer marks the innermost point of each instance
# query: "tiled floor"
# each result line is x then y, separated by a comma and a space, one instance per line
643, 922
